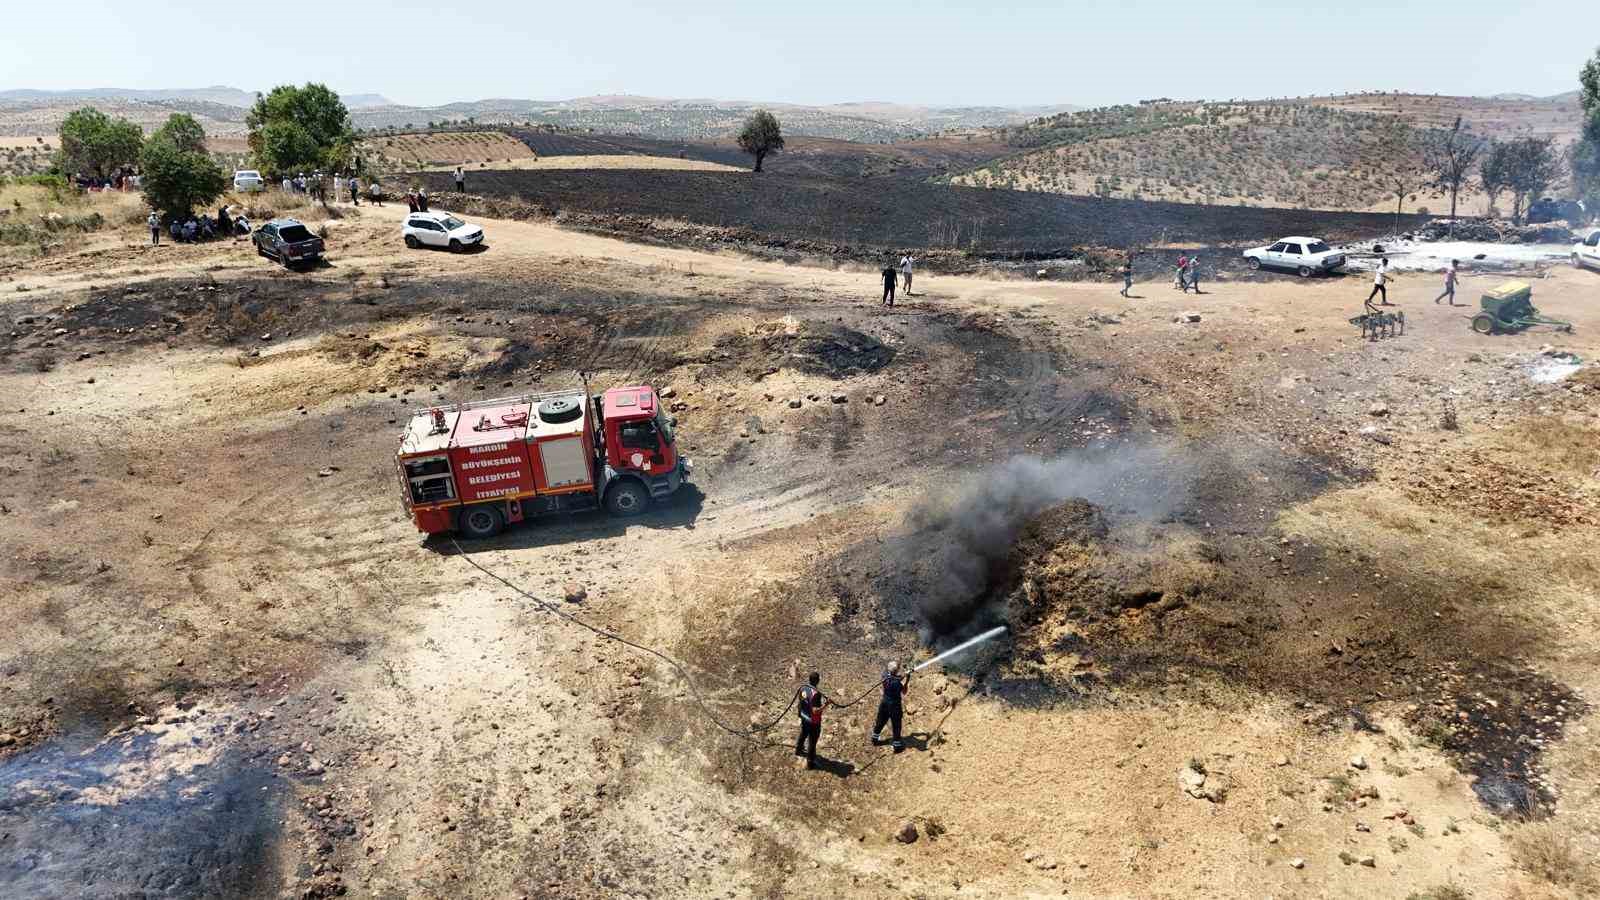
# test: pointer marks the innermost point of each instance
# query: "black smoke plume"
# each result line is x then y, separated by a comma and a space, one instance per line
957, 540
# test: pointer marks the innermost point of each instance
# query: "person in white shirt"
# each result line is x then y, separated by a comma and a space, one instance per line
1379, 281
907, 262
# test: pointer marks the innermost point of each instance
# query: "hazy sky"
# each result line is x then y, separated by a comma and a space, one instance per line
814, 51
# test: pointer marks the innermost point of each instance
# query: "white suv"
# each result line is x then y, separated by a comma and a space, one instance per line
248, 180
1587, 251
431, 229
1305, 256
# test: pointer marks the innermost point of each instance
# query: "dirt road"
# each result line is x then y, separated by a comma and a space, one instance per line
235, 670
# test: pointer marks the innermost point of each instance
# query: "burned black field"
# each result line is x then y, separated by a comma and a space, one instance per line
893, 213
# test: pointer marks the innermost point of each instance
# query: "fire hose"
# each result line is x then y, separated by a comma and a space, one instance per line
682, 670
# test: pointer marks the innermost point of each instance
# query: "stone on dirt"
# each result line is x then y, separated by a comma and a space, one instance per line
1186, 317
1378, 409
795, 402
1212, 786
906, 833
838, 397
1358, 762
574, 592
1297, 863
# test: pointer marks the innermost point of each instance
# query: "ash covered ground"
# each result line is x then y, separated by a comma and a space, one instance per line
1231, 541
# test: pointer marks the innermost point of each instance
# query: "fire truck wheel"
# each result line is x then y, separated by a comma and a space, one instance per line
482, 521
626, 498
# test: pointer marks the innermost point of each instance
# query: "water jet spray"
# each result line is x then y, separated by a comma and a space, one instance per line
971, 642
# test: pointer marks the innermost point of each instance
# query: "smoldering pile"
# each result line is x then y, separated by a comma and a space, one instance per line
957, 545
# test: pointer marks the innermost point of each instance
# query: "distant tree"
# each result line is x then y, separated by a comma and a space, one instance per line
177, 173
297, 128
1449, 156
1494, 172
761, 135
1533, 166
93, 142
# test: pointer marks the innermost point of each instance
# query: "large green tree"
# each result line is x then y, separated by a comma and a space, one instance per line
92, 141
761, 135
178, 173
183, 132
1532, 165
1586, 152
293, 129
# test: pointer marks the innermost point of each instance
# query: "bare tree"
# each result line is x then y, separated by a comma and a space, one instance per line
1449, 156
1397, 158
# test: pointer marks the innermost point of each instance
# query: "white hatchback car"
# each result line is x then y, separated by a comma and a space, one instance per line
1303, 255
248, 180
440, 229
1586, 253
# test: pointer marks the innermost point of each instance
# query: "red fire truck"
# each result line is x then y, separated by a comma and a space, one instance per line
477, 467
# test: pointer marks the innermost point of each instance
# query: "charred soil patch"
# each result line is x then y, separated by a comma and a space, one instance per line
1131, 609
892, 213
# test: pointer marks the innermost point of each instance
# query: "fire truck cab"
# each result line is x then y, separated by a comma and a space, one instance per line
477, 467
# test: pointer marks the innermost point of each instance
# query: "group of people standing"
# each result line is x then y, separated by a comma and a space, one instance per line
902, 270
1187, 276
348, 186
891, 712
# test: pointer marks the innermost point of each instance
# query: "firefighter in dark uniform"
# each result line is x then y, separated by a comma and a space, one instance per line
811, 705
891, 710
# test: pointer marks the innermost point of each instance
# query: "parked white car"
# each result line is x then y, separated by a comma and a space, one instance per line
248, 180
1305, 256
439, 229
1586, 253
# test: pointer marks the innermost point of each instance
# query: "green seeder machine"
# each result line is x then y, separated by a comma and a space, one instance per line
1508, 308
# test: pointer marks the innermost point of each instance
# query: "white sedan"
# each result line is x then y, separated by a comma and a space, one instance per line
248, 180
1302, 255
1586, 253
430, 229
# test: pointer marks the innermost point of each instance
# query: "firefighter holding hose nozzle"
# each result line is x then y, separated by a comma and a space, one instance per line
891, 709
811, 704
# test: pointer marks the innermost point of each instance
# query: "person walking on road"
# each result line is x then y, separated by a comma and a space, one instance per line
374, 193
155, 228
811, 704
907, 262
355, 190
422, 199
1127, 276
1194, 273
888, 285
461, 181
1449, 283
1178, 276
1380, 282
891, 709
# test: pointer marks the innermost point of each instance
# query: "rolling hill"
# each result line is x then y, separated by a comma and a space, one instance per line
1318, 152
